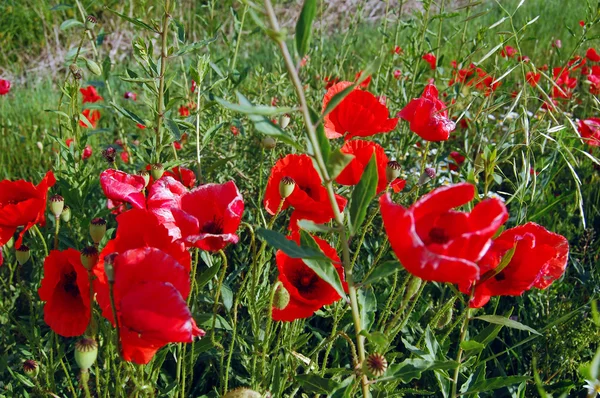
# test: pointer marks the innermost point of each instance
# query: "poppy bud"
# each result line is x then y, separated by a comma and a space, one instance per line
268, 142
40, 146
31, 368
57, 204
109, 268
66, 214
89, 257
413, 287
375, 365
392, 171
427, 175
286, 187
76, 71
97, 229
146, 176
93, 67
86, 351
90, 22
445, 319
22, 253
157, 170
284, 121
242, 393
281, 298
109, 154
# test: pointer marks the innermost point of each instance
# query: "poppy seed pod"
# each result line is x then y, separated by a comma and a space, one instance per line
392, 171
268, 142
86, 351
23, 253
57, 204
31, 368
286, 187
89, 257
157, 170
284, 121
242, 393
427, 175
66, 214
146, 176
90, 22
75, 71
109, 268
375, 365
97, 229
281, 298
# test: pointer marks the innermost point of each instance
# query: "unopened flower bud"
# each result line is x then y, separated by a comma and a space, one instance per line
427, 175
89, 257
40, 145
146, 176
392, 171
281, 298
157, 170
97, 229
286, 187
75, 71
284, 121
66, 214
375, 365
57, 204
109, 154
93, 67
242, 393
90, 22
109, 267
31, 368
445, 319
22, 253
86, 351
413, 287
268, 142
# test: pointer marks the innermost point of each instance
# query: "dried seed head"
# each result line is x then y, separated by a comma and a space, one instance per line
66, 214
57, 204
427, 175
97, 229
31, 368
286, 187
157, 170
375, 365
75, 71
86, 351
392, 171
22, 253
90, 22
109, 154
89, 257
109, 266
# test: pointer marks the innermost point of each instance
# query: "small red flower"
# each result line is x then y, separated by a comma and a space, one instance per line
183, 175
397, 74
437, 243
218, 209
454, 64
194, 85
22, 203
564, 81
508, 52
4, 87
430, 59
92, 115
330, 81
533, 78
69, 141
397, 50
184, 111
540, 257
130, 96
87, 152
577, 62
234, 130
308, 292
589, 129
592, 55
309, 198
428, 116
359, 114
398, 184
363, 151
122, 187
90, 94
458, 160
140, 126
66, 290
582, 23
557, 43
124, 156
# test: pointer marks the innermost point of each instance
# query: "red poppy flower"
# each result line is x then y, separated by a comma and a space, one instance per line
540, 257
398, 185
234, 130
149, 291
397, 74
458, 160
508, 52
4, 87
430, 59
92, 115
184, 111
594, 79
87, 152
130, 95
359, 114
218, 209
22, 203
122, 187
66, 290
308, 292
183, 175
90, 94
564, 81
140, 126
533, 78
397, 50
582, 23
437, 243
589, 129
309, 197
365, 83
69, 141
363, 152
428, 116
592, 55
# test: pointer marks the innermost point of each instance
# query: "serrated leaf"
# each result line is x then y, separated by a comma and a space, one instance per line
368, 307
500, 320
338, 161
289, 247
382, 270
495, 383
362, 195
70, 23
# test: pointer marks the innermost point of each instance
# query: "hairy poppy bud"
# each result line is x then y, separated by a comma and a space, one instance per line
242, 393
86, 351
57, 204
286, 187
268, 142
75, 71
281, 298
109, 268
392, 171
375, 365
146, 176
427, 175
284, 121
89, 257
93, 67
445, 319
66, 214
90, 22
22, 253
97, 229
31, 368
413, 287
157, 170
40, 145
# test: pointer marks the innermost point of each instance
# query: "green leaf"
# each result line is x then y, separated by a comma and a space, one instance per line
382, 270
247, 108
379, 339
322, 139
193, 46
500, 320
310, 226
304, 26
312, 383
289, 247
472, 345
207, 275
128, 114
338, 161
69, 23
210, 132
206, 320
136, 21
406, 371
173, 128
368, 307
343, 389
61, 7
322, 267
495, 383
362, 195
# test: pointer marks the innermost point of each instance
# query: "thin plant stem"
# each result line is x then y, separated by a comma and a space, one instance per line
160, 108
39, 234
56, 230
239, 36
463, 335
115, 315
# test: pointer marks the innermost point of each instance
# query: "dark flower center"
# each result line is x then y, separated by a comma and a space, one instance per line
69, 284
500, 276
308, 190
438, 235
305, 280
214, 227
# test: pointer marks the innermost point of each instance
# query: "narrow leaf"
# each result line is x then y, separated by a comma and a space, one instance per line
362, 194
500, 320
304, 26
